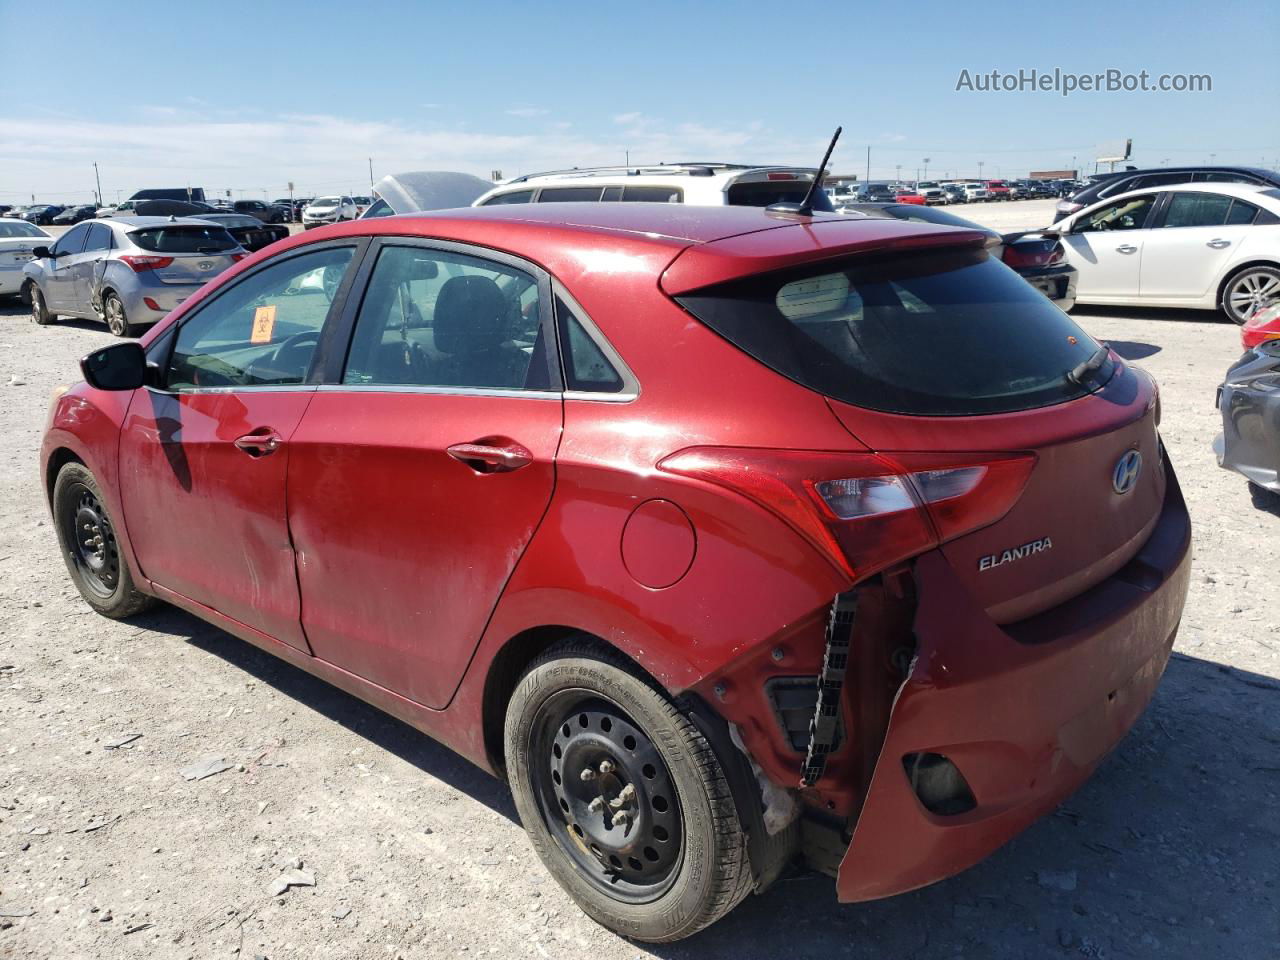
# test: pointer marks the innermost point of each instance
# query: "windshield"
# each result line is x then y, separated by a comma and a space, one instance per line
17, 228
184, 238
947, 333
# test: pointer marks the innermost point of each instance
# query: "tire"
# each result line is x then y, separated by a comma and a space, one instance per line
90, 547
577, 706
115, 317
39, 310
1248, 289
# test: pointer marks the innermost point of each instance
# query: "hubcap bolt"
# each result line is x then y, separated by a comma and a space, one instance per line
606, 767
621, 818
624, 797
587, 774
596, 805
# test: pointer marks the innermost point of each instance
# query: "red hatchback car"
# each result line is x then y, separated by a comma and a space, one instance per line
731, 538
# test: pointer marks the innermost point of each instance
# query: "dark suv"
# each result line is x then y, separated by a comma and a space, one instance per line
266, 212
1140, 179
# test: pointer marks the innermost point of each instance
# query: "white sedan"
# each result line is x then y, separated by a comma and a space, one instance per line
17, 239
1205, 246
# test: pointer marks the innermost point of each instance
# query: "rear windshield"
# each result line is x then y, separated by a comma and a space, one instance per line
937, 334
184, 239
17, 228
767, 192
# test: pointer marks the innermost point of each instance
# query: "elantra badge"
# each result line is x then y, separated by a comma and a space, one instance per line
1125, 475
993, 560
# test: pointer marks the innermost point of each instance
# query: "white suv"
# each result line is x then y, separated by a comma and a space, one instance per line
702, 184
328, 210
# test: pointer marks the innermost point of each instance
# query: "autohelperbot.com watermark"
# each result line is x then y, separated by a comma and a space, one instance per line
1065, 82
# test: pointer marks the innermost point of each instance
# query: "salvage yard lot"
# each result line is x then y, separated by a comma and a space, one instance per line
106, 850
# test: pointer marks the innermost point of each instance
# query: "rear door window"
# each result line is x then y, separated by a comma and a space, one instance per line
434, 318
1197, 210
639, 194
569, 195
1130, 213
937, 334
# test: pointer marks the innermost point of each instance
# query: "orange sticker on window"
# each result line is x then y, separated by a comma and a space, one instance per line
264, 321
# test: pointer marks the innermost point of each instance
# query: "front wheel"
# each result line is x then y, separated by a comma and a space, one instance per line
624, 800
1248, 290
90, 547
39, 310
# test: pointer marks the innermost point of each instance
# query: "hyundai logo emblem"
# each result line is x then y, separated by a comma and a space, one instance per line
206, 264
1125, 475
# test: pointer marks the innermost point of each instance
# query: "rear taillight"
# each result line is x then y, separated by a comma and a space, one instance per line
1033, 254
141, 264
867, 511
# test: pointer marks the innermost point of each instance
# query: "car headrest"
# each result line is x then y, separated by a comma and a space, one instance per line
470, 315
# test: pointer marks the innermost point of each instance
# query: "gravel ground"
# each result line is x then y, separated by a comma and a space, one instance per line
107, 851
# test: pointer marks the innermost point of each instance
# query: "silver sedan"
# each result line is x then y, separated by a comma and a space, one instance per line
127, 271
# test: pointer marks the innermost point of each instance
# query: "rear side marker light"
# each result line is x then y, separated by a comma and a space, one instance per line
237, 257
151, 303
939, 784
141, 264
866, 511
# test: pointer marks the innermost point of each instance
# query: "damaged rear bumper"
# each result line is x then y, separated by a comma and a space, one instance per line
1025, 712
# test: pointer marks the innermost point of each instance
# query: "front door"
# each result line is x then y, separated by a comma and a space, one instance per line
417, 480
203, 461
1105, 247
59, 283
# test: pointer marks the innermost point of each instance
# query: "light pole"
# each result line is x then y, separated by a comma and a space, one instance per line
98, 180
371, 174
1212, 157
980, 169
926, 168
898, 168
1164, 162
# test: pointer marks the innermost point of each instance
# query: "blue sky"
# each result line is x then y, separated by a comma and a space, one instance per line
248, 96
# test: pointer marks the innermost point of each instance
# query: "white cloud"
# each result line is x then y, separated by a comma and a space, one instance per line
892, 137
53, 156
527, 112
626, 119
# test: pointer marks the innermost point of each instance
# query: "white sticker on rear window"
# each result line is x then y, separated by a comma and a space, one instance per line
814, 296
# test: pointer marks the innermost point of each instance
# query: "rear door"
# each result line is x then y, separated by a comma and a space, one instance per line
89, 264
1105, 246
203, 460
1199, 233
417, 480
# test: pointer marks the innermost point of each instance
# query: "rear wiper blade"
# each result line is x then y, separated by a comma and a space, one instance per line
1078, 373
208, 249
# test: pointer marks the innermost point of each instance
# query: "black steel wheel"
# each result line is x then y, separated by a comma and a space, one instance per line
624, 799
90, 545
609, 796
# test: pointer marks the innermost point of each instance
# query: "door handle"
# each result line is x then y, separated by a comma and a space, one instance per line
260, 443
1218, 243
1126, 248
492, 455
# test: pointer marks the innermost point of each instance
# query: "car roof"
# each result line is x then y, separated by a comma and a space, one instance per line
134, 223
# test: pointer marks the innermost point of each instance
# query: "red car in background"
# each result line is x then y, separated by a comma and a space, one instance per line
643, 507
910, 196
1262, 325
998, 190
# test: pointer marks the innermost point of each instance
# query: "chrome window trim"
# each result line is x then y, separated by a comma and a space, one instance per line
630, 385
248, 388
440, 391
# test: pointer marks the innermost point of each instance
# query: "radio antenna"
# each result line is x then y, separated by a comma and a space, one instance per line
805, 207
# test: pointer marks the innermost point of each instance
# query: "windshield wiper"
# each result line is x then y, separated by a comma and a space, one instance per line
1079, 373
208, 249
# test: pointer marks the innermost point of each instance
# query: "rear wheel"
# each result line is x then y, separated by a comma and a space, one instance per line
1251, 288
90, 547
113, 313
623, 798
39, 310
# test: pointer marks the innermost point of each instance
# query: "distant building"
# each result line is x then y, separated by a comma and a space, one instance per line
1052, 175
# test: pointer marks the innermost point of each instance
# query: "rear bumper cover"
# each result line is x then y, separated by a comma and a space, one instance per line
1025, 711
